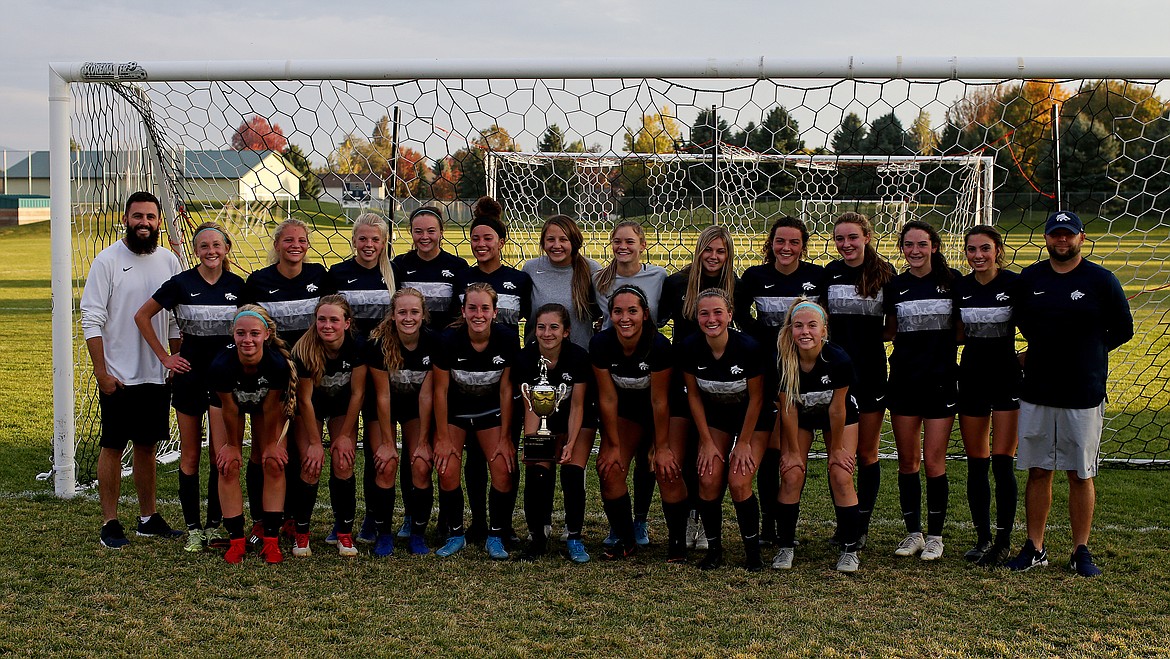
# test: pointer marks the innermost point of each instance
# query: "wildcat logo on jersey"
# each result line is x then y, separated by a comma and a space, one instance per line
497, 360
426, 361
509, 285
567, 377
644, 366
826, 379
942, 289
808, 286
1002, 297
447, 273
735, 370
229, 296
1076, 295
312, 288
345, 365
261, 380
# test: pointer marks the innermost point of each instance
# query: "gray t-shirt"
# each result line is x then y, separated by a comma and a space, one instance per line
650, 279
552, 283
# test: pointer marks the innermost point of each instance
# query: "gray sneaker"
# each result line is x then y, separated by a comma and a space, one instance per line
912, 545
933, 549
783, 559
848, 561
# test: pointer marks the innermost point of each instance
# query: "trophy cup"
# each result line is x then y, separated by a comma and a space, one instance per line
544, 400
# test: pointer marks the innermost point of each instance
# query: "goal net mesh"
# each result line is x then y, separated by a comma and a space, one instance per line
676, 155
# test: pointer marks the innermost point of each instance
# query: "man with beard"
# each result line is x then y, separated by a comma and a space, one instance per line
1072, 313
132, 382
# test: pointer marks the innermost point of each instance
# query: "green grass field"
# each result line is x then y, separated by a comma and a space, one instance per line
68, 596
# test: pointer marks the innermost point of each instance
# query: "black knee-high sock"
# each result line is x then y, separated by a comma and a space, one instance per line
712, 514
272, 521
254, 480
539, 489
768, 481
451, 508
910, 497
573, 490
499, 512
644, 482
675, 515
305, 500
747, 515
214, 511
869, 481
475, 475
786, 516
189, 498
978, 496
1005, 497
938, 490
234, 526
343, 496
419, 506
848, 526
620, 515
379, 507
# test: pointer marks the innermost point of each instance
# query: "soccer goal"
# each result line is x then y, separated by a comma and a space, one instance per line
674, 144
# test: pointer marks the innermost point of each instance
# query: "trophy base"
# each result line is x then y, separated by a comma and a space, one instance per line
539, 448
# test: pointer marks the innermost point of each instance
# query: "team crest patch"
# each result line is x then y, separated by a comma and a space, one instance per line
509, 285
312, 288
644, 366
826, 379
447, 273
426, 361
1076, 295
1002, 297
262, 380
229, 296
566, 377
808, 286
497, 360
735, 370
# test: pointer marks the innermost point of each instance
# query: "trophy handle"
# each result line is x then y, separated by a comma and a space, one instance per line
524, 389
562, 393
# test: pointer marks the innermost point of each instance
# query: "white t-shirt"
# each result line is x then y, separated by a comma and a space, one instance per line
119, 282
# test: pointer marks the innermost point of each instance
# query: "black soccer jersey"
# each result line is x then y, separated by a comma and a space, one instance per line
474, 387
986, 312
673, 301
407, 380
722, 382
925, 345
771, 293
331, 395
833, 370
856, 323
513, 292
572, 368
248, 390
1071, 321
290, 302
631, 373
435, 279
203, 311
365, 290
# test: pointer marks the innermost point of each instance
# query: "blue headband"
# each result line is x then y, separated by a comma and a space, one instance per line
809, 305
196, 236
249, 312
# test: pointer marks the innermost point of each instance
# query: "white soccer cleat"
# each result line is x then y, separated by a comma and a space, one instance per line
911, 545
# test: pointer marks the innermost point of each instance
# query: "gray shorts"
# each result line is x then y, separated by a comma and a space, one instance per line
1060, 439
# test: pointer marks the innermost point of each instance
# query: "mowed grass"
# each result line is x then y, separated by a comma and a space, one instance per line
65, 595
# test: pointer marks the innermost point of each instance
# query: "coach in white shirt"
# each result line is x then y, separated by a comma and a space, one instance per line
132, 382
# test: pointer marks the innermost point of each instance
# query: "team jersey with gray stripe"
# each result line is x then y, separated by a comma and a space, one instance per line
831, 371
986, 312
406, 381
722, 381
203, 311
631, 373
925, 345
674, 299
331, 395
248, 389
365, 290
771, 293
475, 375
290, 302
435, 279
856, 322
513, 292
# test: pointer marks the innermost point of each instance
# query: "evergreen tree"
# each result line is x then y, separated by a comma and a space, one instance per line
850, 137
310, 184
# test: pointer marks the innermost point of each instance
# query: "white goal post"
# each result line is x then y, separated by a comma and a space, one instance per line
971, 143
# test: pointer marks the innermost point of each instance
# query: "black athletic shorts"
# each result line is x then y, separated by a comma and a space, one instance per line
475, 423
981, 396
191, 393
927, 400
137, 413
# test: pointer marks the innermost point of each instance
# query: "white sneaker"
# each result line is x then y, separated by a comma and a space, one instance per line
783, 559
933, 550
912, 545
848, 562
694, 530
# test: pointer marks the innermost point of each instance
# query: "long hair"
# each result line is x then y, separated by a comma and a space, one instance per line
477, 287
387, 331
273, 254
695, 269
607, 275
995, 236
940, 271
875, 270
276, 343
787, 355
582, 280
376, 221
227, 240
310, 349
780, 223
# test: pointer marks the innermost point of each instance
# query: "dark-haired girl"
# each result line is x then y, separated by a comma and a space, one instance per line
473, 399
853, 296
428, 267
631, 364
257, 379
399, 356
564, 275
573, 424
204, 301
725, 391
921, 321
989, 384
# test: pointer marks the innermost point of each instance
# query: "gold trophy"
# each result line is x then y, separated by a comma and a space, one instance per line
544, 400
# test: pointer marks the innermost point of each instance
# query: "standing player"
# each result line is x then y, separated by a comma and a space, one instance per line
989, 391
428, 268
816, 377
631, 364
563, 275
1073, 313
132, 382
855, 302
256, 379
920, 319
770, 288
203, 300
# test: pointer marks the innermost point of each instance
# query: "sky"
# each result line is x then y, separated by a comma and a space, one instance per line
36, 33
